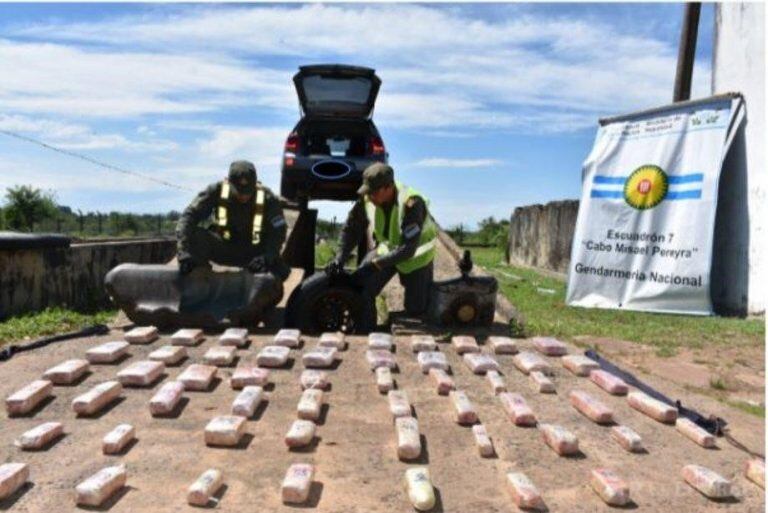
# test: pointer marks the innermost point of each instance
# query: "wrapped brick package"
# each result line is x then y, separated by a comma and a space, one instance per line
627, 438
517, 409
67, 372
480, 363
418, 486
221, 356
12, 477
310, 404
40, 436
311, 378
465, 410
562, 441
399, 405
496, 382
610, 487
169, 355
432, 360
655, 409
237, 337
187, 337
287, 338
483, 441
141, 374
549, 346
579, 364
380, 358
707, 482
320, 357
142, 335
247, 401
408, 438
608, 382
245, 375
273, 356
528, 362
524, 494
542, 383
108, 352
699, 435
197, 376
502, 345
300, 434
421, 343
225, 430
205, 487
442, 380
297, 483
26, 399
377, 340
384, 381
97, 398
116, 440
335, 339
465, 344
754, 469
100, 486
590, 407
166, 398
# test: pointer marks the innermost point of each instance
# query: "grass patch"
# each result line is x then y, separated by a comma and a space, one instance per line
758, 410
717, 383
547, 314
49, 322
324, 253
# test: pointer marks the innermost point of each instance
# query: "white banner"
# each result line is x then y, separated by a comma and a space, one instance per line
643, 238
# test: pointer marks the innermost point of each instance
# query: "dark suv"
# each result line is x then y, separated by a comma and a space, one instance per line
335, 140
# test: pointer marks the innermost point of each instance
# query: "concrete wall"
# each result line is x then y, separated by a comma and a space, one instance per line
740, 233
31, 280
541, 235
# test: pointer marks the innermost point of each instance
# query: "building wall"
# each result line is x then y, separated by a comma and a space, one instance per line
73, 277
541, 235
740, 234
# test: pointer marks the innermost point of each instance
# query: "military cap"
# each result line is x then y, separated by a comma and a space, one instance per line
376, 176
242, 176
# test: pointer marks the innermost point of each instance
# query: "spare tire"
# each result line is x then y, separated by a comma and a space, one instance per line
321, 304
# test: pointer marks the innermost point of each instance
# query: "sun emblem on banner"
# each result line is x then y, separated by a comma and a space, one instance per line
646, 187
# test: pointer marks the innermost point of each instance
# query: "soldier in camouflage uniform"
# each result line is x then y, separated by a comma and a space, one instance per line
395, 216
244, 226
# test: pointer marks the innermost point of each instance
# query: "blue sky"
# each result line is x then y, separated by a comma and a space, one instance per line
483, 107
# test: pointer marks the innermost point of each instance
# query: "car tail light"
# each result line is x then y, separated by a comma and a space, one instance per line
292, 143
376, 145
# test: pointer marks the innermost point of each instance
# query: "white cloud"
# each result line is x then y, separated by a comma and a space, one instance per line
456, 163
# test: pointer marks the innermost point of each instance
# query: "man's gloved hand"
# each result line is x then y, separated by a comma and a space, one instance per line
186, 264
258, 265
335, 267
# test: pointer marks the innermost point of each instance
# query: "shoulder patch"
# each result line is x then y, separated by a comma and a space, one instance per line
411, 231
278, 221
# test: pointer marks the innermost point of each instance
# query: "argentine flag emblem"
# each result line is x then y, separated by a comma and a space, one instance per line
647, 186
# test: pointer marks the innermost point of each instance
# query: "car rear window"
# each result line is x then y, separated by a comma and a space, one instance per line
336, 91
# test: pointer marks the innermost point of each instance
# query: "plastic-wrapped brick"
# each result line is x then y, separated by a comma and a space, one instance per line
310, 404
116, 440
273, 356
590, 407
562, 441
608, 382
627, 438
332, 339
40, 436
442, 380
432, 360
237, 337
301, 433
205, 487
27, 398
517, 409
610, 487
380, 358
524, 493
541, 383
100, 486
97, 398
528, 362
141, 374
399, 405
496, 382
754, 469
197, 377
654, 408
699, 435
247, 401
378, 340
220, 356
502, 345
169, 355
483, 441
465, 410
480, 363
166, 398
384, 381
12, 477
142, 335
187, 337
706, 481
549, 346
245, 375
287, 337
311, 378
579, 364
408, 438
465, 344
320, 357
418, 486
67, 372
108, 352
297, 483
421, 343
225, 430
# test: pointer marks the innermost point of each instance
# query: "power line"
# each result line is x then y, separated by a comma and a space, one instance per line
92, 160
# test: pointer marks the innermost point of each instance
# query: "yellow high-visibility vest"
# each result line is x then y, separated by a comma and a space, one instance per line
222, 218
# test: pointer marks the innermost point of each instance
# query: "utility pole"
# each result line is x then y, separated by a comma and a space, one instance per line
686, 52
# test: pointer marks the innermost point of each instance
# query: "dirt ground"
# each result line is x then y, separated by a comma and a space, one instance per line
357, 469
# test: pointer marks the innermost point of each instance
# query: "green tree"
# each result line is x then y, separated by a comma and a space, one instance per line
27, 206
